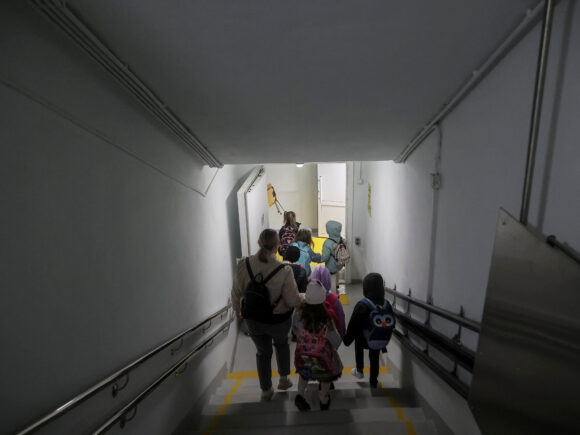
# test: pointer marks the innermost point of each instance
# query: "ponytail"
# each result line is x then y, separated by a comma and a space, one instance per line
268, 241
290, 218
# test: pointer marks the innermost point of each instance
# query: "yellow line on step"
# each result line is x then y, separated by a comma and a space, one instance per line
254, 374
240, 376
222, 409
399, 412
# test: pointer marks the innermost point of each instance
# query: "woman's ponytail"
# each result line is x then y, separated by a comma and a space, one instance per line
268, 242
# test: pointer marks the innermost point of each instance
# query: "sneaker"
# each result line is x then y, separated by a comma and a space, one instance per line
301, 403
267, 395
357, 374
284, 384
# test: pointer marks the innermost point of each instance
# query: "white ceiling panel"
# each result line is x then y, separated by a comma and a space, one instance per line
275, 81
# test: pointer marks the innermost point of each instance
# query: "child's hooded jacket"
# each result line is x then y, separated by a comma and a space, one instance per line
373, 289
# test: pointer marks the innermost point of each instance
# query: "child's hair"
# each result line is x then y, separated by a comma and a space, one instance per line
322, 274
314, 317
290, 218
304, 235
268, 241
374, 288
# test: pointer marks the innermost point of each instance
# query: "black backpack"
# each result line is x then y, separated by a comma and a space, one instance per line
256, 302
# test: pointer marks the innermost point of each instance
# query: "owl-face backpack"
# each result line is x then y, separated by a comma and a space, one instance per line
380, 324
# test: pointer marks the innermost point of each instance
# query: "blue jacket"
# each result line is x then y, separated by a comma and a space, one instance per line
312, 256
333, 228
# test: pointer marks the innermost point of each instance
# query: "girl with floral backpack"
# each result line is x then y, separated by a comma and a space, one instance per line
316, 357
288, 232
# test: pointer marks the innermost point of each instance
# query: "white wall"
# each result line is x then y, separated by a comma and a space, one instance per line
296, 188
484, 143
112, 231
332, 196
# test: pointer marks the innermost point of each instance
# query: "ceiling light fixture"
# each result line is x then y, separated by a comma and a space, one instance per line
299, 165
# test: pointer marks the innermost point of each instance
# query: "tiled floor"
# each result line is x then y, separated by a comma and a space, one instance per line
245, 358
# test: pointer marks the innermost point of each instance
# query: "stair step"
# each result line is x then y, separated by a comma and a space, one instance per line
425, 427
282, 396
336, 416
347, 378
250, 408
339, 385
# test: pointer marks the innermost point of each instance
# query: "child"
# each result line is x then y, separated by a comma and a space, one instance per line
333, 228
316, 356
304, 242
332, 302
291, 258
374, 292
288, 232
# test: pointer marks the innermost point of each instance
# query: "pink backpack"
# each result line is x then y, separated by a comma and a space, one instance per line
313, 356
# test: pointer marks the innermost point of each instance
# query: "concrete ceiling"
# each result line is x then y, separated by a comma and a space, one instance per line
279, 81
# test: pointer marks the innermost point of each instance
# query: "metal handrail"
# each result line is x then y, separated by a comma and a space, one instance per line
65, 407
450, 347
132, 405
554, 243
468, 323
449, 377
453, 349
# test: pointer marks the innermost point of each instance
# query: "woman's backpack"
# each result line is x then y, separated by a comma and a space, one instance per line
380, 324
313, 356
256, 302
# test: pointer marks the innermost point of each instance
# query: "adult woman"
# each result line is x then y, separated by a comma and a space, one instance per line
275, 325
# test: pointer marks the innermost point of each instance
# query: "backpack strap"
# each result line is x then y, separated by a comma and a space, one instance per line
370, 303
252, 277
274, 272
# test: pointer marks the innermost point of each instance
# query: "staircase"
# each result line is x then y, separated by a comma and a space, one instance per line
235, 408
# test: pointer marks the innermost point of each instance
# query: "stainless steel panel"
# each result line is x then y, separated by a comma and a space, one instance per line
526, 379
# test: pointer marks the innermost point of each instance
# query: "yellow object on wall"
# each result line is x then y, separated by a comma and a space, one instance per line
271, 195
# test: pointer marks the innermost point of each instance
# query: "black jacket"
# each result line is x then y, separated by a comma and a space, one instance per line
300, 277
356, 324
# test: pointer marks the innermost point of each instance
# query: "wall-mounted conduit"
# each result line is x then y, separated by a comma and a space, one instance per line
536, 109
530, 19
72, 25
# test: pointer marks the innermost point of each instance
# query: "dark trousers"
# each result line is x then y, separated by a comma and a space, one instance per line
263, 335
359, 348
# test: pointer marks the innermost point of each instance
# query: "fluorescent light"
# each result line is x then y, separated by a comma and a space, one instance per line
299, 165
